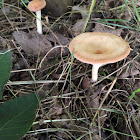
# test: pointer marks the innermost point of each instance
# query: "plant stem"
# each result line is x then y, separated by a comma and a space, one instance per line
88, 17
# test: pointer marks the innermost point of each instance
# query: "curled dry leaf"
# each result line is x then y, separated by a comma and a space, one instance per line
3, 42
55, 110
19, 64
93, 97
85, 82
138, 38
137, 86
82, 9
125, 16
137, 2
131, 72
60, 38
34, 44
102, 28
103, 116
50, 88
94, 102
5, 11
62, 135
78, 27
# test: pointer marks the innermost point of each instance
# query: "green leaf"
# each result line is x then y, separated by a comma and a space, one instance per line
133, 94
1, 3
5, 68
17, 116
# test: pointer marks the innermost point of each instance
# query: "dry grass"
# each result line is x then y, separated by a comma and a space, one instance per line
74, 108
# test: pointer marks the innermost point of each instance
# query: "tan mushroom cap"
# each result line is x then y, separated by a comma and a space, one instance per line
36, 5
99, 48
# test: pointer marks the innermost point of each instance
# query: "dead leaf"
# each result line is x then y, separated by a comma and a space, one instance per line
137, 2
51, 89
137, 85
5, 11
34, 43
85, 82
3, 42
60, 38
78, 27
62, 136
138, 37
102, 28
125, 16
103, 116
93, 97
82, 9
55, 110
94, 102
56, 76
131, 72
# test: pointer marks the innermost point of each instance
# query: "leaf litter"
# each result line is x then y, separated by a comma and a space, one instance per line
38, 44
78, 99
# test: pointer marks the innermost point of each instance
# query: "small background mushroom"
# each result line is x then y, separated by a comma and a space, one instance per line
36, 6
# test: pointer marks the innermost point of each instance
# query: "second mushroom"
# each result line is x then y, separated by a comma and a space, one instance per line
36, 6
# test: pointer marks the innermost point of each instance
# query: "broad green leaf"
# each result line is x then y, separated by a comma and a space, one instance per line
5, 68
17, 116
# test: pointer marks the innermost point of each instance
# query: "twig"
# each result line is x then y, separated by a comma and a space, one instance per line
34, 82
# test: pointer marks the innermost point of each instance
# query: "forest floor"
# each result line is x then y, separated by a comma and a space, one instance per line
75, 108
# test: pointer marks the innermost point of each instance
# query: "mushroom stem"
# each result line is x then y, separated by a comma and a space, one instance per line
38, 22
95, 68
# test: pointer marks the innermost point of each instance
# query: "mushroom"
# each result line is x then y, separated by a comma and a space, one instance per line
36, 6
98, 49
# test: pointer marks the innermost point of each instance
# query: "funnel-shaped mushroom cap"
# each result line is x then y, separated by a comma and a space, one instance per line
99, 48
36, 5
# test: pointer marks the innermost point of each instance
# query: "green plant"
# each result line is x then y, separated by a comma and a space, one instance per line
5, 68
18, 114
133, 94
0, 3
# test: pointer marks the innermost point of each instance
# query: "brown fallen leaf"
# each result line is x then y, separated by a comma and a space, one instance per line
102, 28
137, 2
103, 116
58, 39
51, 89
94, 102
34, 43
131, 72
55, 110
93, 97
78, 27
137, 86
3, 42
138, 38
61, 136
85, 82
